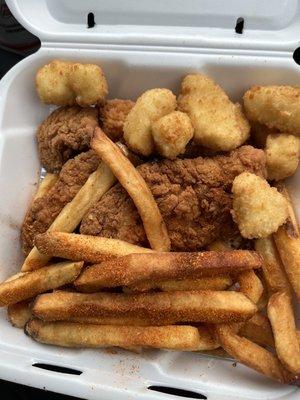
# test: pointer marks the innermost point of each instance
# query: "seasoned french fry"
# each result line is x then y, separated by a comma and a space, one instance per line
253, 355
250, 285
287, 240
281, 316
19, 313
135, 268
68, 334
45, 185
258, 329
160, 308
70, 216
76, 247
136, 187
272, 267
32, 283
118, 320
208, 283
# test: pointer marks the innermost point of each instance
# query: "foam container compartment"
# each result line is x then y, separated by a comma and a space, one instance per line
140, 45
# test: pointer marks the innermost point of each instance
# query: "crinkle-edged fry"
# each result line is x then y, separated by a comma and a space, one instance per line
207, 283
258, 329
253, 355
160, 308
135, 268
281, 316
70, 216
136, 187
250, 285
19, 313
287, 240
45, 185
32, 283
88, 248
273, 271
68, 334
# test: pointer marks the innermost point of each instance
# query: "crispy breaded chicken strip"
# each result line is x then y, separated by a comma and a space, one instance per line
219, 124
275, 106
46, 208
112, 116
66, 132
258, 209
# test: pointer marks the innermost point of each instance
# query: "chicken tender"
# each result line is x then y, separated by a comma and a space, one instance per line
171, 134
150, 106
258, 208
65, 133
112, 116
275, 106
282, 152
66, 83
219, 124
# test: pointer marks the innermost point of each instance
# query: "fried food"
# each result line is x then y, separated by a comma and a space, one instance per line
274, 106
91, 249
68, 334
208, 283
112, 115
219, 124
258, 209
193, 197
136, 187
32, 283
136, 268
161, 308
45, 185
172, 133
258, 330
66, 132
250, 285
287, 240
45, 209
66, 83
149, 107
281, 316
283, 153
19, 313
273, 270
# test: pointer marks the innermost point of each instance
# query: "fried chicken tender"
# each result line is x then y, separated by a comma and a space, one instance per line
282, 152
112, 116
275, 106
67, 83
66, 132
171, 134
219, 124
149, 107
258, 208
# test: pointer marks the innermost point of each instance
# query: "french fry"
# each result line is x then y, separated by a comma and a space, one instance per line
208, 283
76, 247
19, 314
118, 320
160, 308
281, 316
258, 329
45, 185
287, 240
273, 271
137, 189
32, 283
250, 285
70, 216
136, 268
253, 355
68, 334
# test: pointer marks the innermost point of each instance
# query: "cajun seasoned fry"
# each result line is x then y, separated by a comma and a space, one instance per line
207, 283
272, 267
76, 247
281, 316
287, 240
33, 283
165, 266
258, 329
70, 216
19, 313
160, 308
45, 185
136, 187
68, 334
250, 285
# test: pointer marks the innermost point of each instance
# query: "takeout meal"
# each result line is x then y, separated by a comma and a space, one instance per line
163, 221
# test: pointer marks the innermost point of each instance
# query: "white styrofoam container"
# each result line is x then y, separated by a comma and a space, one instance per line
140, 45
